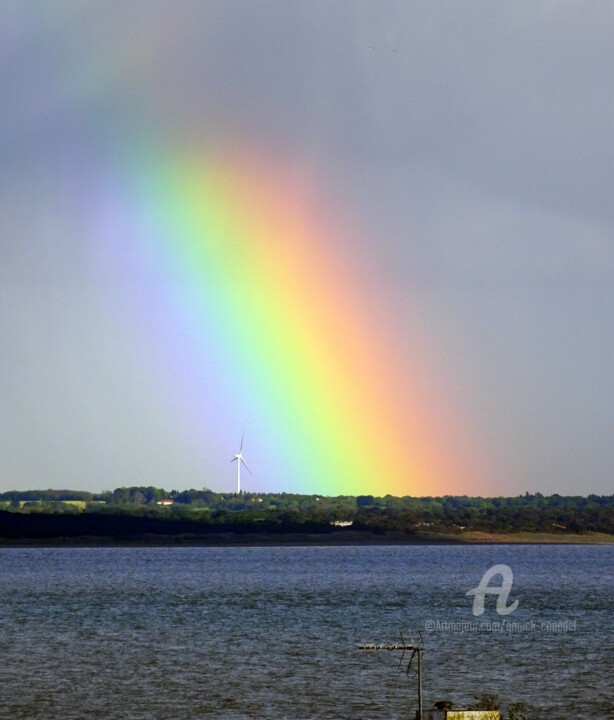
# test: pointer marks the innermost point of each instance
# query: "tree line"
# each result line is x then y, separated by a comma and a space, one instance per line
320, 513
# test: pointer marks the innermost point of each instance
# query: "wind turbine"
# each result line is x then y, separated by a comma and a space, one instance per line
239, 459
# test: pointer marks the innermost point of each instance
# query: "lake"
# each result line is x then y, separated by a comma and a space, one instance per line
173, 633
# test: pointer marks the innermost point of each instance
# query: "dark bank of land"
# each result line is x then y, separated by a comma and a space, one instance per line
154, 516
299, 540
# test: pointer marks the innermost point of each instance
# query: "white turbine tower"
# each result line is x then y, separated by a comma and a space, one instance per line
239, 459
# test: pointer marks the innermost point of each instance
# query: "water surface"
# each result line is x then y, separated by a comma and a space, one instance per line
171, 633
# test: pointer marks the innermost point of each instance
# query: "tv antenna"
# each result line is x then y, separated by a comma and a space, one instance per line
416, 650
239, 459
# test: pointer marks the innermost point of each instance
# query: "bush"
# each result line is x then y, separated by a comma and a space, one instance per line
487, 701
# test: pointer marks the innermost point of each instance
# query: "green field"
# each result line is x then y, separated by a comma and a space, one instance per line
81, 504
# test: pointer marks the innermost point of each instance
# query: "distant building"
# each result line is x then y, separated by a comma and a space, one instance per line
342, 523
165, 501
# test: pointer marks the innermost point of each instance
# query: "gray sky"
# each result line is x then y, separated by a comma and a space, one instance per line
470, 140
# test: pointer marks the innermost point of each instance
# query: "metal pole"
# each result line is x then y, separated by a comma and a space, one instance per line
419, 683
415, 650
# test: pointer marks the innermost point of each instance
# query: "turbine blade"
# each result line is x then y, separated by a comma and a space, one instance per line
242, 436
234, 458
248, 470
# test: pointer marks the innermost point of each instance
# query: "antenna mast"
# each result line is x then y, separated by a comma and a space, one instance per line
416, 651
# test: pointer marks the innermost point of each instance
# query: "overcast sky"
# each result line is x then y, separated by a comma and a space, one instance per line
471, 141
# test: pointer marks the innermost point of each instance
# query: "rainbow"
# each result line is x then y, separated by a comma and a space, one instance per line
248, 296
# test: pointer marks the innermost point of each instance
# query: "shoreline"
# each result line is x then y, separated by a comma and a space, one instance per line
337, 539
